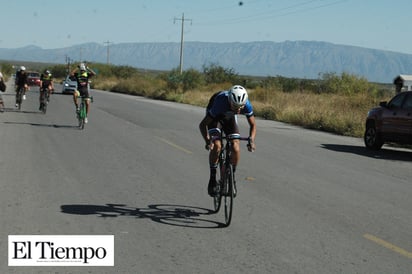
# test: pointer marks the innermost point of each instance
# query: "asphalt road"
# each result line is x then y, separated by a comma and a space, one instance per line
308, 202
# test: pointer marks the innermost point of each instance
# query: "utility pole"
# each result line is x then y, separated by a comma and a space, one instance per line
81, 49
108, 50
181, 40
68, 62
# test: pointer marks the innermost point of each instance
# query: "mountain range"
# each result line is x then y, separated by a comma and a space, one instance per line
298, 59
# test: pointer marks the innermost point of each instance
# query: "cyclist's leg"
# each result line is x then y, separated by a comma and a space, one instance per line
17, 94
1, 104
41, 96
76, 93
86, 94
49, 90
213, 156
214, 131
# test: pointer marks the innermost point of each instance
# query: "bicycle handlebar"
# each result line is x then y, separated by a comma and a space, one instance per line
234, 136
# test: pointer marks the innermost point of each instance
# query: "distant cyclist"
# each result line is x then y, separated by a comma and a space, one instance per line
1, 98
221, 113
82, 74
46, 81
21, 82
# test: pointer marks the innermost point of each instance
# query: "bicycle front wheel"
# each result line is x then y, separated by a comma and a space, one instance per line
228, 194
19, 98
82, 116
217, 199
81, 123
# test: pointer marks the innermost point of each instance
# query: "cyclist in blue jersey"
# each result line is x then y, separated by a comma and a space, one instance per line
221, 112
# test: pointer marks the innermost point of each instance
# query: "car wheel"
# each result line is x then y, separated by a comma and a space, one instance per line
372, 138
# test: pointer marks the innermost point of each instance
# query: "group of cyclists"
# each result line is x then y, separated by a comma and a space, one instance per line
82, 73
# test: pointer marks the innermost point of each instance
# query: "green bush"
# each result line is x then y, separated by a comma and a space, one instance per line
347, 84
215, 74
192, 79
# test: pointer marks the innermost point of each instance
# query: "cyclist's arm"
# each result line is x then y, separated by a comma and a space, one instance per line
89, 70
26, 80
252, 131
73, 72
203, 129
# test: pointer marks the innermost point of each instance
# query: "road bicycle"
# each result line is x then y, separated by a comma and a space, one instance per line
44, 99
19, 97
82, 113
225, 189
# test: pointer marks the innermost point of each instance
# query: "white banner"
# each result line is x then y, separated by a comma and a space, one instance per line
61, 250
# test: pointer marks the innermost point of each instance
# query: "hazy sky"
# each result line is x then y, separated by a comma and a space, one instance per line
377, 24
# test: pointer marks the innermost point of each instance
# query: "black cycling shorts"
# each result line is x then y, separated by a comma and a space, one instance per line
84, 92
227, 122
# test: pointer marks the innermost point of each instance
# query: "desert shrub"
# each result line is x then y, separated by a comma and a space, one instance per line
218, 74
345, 83
191, 79
6, 69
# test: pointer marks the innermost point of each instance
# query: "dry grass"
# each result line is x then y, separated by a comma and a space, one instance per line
341, 114
329, 112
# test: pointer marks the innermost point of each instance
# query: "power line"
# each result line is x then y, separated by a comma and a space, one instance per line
278, 12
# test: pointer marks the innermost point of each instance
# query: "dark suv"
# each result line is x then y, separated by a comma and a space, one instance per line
390, 122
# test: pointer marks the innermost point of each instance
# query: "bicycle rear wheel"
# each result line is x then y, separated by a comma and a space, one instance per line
228, 194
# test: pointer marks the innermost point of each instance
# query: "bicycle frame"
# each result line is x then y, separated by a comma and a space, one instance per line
225, 188
83, 111
44, 96
19, 96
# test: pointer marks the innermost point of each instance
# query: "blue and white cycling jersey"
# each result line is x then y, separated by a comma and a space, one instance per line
221, 106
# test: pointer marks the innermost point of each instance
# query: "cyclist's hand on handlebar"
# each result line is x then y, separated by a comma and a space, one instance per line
251, 146
209, 146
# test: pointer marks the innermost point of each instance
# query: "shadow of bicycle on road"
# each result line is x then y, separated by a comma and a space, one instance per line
43, 125
175, 215
21, 111
384, 153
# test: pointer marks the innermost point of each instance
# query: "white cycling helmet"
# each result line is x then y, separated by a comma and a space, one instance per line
82, 66
22, 68
238, 96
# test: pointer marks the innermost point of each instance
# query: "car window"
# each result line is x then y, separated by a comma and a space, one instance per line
408, 102
396, 101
